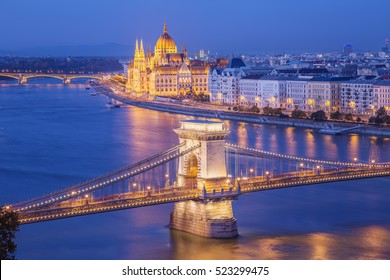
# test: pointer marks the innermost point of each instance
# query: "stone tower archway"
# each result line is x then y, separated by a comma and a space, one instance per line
192, 166
205, 168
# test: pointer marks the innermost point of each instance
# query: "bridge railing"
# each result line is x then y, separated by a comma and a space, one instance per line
103, 181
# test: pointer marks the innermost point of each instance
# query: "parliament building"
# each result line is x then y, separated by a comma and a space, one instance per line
166, 72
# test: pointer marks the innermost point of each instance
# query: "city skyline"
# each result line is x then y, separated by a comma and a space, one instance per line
217, 26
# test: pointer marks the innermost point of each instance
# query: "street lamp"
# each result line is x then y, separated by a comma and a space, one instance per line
148, 188
267, 175
166, 180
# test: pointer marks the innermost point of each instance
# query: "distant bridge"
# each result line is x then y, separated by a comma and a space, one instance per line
23, 78
202, 174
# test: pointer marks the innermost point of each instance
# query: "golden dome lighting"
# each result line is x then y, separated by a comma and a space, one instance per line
165, 44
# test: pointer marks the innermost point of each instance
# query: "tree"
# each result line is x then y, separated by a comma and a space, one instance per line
381, 117
277, 111
381, 112
271, 111
336, 115
254, 109
267, 110
349, 117
9, 224
318, 116
298, 114
386, 119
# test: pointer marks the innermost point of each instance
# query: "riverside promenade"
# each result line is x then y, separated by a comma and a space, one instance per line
211, 111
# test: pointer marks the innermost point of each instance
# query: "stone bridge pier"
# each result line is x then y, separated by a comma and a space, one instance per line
211, 215
22, 80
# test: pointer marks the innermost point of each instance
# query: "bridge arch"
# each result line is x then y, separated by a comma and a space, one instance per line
192, 166
58, 77
15, 76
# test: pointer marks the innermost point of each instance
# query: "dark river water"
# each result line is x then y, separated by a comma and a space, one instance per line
53, 136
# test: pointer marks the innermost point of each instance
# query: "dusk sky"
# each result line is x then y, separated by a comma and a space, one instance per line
224, 26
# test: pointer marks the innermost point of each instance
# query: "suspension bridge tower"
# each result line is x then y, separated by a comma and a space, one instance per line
204, 168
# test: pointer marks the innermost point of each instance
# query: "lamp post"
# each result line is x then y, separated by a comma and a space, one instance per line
167, 180
301, 168
148, 188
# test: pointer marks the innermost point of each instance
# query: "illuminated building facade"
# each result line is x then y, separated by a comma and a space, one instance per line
166, 72
357, 97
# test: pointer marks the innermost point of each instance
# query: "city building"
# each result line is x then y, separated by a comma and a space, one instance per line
357, 97
250, 94
297, 94
382, 95
385, 49
324, 93
224, 83
166, 72
348, 49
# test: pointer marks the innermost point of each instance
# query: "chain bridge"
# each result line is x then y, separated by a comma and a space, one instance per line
202, 176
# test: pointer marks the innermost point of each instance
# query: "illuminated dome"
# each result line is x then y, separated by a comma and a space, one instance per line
165, 43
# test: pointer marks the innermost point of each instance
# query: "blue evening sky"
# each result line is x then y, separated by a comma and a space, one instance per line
262, 26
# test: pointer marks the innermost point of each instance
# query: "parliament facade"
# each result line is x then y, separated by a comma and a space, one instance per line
166, 72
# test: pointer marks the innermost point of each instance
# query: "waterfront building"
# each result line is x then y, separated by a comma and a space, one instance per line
381, 91
357, 97
263, 91
224, 83
166, 71
324, 93
273, 92
230, 85
297, 94
250, 94
214, 81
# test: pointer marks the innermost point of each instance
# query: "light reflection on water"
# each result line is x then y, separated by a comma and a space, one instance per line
56, 135
366, 243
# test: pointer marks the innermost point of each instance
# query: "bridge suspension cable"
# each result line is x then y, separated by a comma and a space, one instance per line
264, 154
104, 181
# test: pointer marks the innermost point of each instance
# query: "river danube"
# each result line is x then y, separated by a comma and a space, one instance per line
53, 136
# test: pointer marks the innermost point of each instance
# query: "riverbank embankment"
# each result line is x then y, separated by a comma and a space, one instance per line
210, 112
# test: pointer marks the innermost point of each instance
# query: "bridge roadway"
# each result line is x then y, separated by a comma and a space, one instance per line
65, 78
169, 195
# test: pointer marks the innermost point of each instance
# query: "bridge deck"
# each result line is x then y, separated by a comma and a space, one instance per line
141, 199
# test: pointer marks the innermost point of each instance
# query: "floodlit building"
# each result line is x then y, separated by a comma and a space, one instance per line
166, 71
